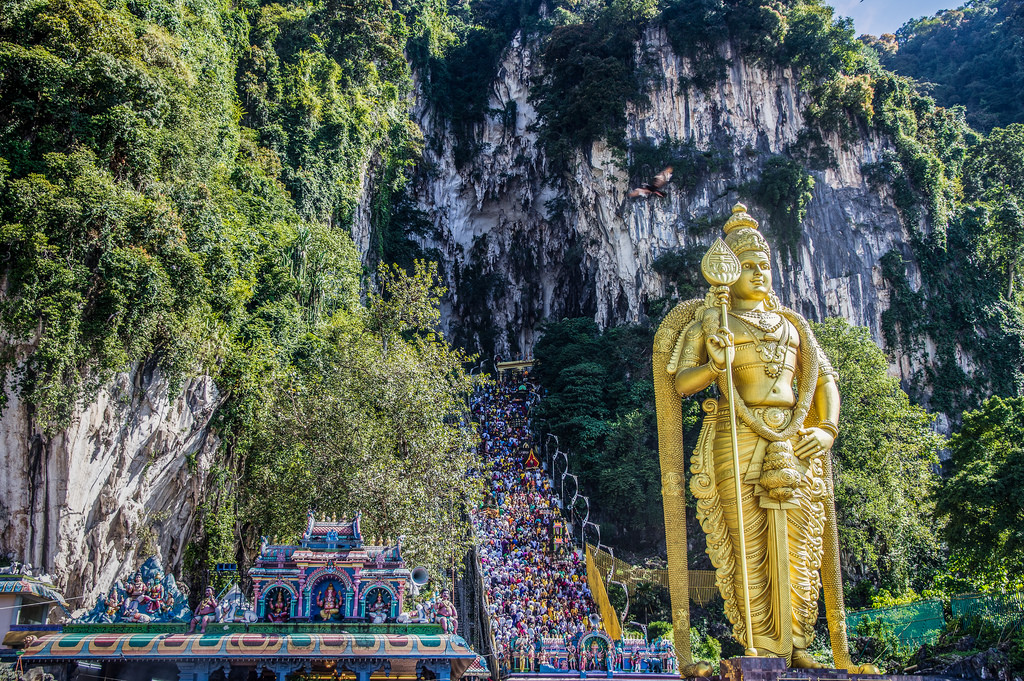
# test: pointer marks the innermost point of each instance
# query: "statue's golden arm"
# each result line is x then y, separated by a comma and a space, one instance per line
691, 381
826, 399
695, 371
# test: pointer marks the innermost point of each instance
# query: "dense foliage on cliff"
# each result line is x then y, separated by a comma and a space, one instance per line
150, 210
178, 181
972, 56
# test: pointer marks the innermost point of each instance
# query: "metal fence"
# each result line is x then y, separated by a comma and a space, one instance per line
920, 622
914, 623
1003, 608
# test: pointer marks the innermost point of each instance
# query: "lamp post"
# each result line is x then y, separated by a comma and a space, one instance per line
551, 455
469, 406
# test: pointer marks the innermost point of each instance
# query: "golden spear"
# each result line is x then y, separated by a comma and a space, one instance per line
722, 269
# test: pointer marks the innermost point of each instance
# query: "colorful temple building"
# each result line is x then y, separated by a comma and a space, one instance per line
330, 608
331, 577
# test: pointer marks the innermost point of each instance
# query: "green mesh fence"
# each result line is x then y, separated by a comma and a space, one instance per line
1002, 608
914, 623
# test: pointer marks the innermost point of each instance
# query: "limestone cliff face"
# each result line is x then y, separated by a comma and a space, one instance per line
121, 483
521, 244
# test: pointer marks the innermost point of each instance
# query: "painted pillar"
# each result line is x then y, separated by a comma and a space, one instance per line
364, 668
356, 579
282, 669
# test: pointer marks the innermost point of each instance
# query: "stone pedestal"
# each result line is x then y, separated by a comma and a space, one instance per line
774, 669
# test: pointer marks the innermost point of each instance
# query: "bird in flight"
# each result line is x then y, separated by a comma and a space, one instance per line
654, 187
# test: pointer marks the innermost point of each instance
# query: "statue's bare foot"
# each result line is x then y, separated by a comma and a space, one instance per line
700, 668
865, 669
802, 660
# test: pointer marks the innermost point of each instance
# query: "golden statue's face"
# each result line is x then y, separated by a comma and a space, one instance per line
755, 282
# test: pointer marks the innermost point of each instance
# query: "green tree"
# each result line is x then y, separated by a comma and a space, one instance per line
992, 178
885, 461
981, 502
373, 420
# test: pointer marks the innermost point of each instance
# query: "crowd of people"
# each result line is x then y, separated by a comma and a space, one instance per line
535, 578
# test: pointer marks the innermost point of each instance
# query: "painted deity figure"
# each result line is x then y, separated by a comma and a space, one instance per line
137, 595
159, 600
113, 603
787, 407
416, 615
205, 612
521, 653
328, 603
445, 614
278, 609
378, 610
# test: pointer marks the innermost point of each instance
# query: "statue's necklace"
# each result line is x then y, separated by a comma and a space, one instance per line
770, 345
768, 322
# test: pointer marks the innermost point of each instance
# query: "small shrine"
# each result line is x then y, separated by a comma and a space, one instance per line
330, 577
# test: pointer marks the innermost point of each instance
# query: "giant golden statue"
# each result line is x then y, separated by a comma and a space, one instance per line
765, 442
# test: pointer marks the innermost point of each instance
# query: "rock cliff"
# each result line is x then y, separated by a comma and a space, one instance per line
121, 483
521, 244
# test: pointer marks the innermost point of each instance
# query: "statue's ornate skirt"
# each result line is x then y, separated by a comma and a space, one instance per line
783, 546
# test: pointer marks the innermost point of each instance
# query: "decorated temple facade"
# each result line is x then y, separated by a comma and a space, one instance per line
327, 608
143, 596
330, 577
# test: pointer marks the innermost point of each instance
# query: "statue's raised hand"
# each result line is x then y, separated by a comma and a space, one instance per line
720, 347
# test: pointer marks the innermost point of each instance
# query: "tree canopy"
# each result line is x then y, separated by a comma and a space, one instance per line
971, 56
886, 461
373, 419
982, 503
